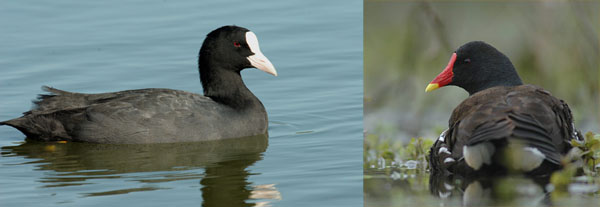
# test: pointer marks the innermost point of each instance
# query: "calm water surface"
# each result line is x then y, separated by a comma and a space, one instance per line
313, 154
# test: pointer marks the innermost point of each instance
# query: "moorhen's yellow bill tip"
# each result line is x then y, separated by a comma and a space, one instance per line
432, 86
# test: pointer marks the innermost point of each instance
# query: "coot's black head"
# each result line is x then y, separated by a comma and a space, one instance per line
476, 66
232, 48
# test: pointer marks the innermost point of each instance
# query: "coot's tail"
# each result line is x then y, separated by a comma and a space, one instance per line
39, 127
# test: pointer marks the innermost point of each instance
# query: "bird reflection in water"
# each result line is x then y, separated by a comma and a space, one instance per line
491, 190
225, 163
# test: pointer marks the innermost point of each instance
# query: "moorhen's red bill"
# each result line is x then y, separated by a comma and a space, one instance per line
504, 125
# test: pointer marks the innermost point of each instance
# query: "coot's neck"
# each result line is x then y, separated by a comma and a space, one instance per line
225, 85
506, 77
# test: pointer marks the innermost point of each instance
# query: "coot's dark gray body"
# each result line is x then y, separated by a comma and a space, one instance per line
138, 116
227, 109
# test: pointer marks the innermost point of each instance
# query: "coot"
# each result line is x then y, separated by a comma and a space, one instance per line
226, 110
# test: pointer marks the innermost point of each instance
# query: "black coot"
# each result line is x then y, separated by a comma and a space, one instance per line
227, 109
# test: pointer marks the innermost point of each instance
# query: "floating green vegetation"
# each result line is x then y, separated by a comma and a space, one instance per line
382, 153
397, 173
581, 167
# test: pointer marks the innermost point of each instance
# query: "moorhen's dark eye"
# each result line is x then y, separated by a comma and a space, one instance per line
237, 44
467, 60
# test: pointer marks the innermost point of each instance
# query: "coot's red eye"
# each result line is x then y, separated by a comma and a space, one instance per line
236, 44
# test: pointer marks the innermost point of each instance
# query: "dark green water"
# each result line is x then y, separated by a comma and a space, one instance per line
313, 154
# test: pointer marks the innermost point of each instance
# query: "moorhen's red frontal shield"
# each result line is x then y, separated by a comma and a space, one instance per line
444, 78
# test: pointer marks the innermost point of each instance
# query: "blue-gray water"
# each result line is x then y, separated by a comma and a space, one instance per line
314, 153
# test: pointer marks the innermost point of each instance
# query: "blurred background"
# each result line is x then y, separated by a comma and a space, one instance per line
406, 44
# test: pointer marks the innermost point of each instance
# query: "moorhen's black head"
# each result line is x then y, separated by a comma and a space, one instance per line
476, 66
